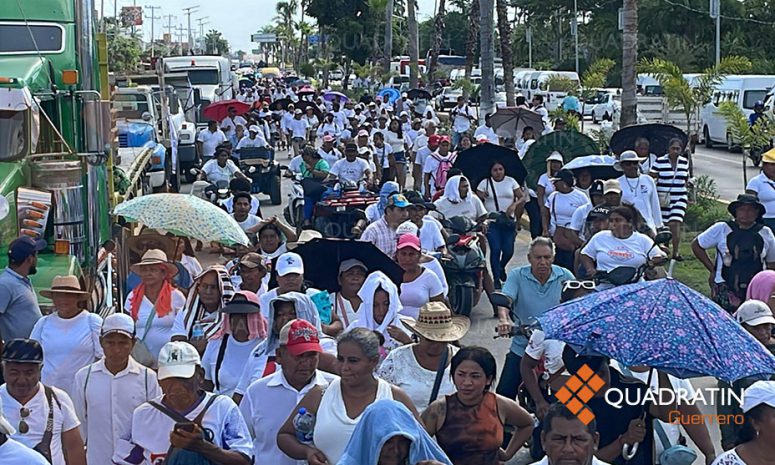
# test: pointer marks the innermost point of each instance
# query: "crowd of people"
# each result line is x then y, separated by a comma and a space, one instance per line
247, 362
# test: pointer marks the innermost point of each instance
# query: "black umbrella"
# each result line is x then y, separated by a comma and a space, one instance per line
659, 136
304, 104
322, 258
475, 162
280, 104
413, 94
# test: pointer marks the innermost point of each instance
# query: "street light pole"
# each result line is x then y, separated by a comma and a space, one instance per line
202, 22
715, 13
188, 12
575, 31
153, 9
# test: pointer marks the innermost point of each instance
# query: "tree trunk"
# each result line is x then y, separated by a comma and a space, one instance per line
504, 31
388, 50
472, 39
629, 114
414, 55
438, 31
487, 47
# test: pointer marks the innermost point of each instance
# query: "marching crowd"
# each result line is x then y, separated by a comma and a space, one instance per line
246, 362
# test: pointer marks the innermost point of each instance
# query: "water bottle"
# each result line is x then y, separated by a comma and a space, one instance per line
304, 424
197, 332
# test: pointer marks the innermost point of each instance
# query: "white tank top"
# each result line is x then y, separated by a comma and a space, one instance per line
333, 427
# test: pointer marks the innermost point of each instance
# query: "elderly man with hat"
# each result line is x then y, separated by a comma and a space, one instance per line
45, 415
13, 452
19, 309
743, 247
763, 186
639, 190
107, 392
69, 336
194, 424
252, 274
255, 139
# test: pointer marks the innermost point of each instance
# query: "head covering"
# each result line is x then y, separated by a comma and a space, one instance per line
257, 326
64, 285
407, 227
178, 359
351, 263
761, 286
195, 311
23, 351
612, 185
409, 240
452, 190
24, 246
375, 281
745, 199
289, 263
305, 310
387, 189
754, 313
760, 392
163, 305
299, 337
381, 421
436, 323
627, 155
118, 323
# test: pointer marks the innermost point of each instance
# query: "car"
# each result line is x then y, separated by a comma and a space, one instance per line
447, 98
608, 103
336, 75
500, 100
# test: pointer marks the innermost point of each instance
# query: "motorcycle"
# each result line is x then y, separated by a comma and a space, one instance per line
259, 165
294, 211
622, 275
341, 208
214, 193
464, 264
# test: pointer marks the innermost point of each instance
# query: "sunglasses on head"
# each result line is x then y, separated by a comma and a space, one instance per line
573, 285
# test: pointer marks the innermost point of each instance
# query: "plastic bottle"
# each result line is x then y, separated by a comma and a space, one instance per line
197, 332
304, 424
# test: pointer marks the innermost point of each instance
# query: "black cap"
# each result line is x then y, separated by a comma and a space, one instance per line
351, 146
596, 188
564, 175
23, 351
240, 307
23, 247
598, 213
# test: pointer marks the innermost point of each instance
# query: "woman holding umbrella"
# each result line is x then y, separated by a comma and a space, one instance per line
671, 173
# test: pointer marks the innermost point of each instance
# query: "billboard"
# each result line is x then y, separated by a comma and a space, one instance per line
131, 16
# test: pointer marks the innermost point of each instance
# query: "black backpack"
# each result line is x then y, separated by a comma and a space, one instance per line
746, 247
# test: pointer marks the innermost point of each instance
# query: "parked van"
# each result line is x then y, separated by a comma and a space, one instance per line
522, 81
648, 85
744, 91
539, 85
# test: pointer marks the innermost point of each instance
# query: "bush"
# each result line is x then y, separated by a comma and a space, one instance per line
704, 208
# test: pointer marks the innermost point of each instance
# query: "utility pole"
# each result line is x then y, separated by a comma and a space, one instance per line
188, 12
202, 22
715, 13
169, 27
180, 31
153, 17
529, 34
574, 29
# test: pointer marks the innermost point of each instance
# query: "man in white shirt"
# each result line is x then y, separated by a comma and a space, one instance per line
242, 214
208, 139
329, 127
241, 185
538, 107
31, 405
269, 400
230, 123
462, 116
297, 128
639, 190
255, 139
155, 424
13, 452
486, 131
351, 168
106, 393
220, 168
328, 152
566, 439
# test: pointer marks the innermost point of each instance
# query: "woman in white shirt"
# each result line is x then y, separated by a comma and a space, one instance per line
545, 186
622, 246
379, 312
420, 285
560, 206
763, 186
394, 137
458, 201
70, 336
502, 194
155, 302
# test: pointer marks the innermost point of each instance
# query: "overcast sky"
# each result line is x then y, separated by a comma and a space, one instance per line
236, 19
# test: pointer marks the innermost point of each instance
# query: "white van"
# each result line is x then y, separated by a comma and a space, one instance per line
211, 75
539, 86
648, 85
743, 91
522, 81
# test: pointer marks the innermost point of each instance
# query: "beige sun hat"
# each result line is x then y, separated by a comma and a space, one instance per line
306, 235
437, 324
156, 257
68, 284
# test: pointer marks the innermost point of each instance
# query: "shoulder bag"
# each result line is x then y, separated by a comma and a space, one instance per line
503, 221
439, 375
140, 351
177, 456
563, 237
44, 446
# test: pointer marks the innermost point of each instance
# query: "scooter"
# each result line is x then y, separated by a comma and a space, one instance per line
622, 275
205, 190
294, 210
464, 264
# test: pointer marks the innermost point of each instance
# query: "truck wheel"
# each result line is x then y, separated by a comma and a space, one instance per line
706, 136
274, 190
462, 300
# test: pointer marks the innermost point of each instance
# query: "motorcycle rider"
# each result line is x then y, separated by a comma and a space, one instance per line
220, 168
758, 112
351, 168
328, 152
255, 139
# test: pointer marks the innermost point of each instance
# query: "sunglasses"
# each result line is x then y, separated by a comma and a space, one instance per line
24, 413
573, 285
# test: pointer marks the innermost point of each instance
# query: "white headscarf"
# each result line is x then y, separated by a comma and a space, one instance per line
374, 282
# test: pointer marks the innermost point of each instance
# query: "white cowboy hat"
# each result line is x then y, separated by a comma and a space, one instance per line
64, 285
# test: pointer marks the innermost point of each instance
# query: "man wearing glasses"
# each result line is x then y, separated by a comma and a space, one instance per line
45, 416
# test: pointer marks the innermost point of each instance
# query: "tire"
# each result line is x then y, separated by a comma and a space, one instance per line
462, 300
274, 190
706, 136
594, 117
606, 117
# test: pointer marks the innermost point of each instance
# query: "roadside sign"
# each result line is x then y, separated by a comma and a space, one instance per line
263, 38
256, 51
131, 16
314, 39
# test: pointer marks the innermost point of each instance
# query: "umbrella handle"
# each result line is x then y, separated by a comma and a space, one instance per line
629, 450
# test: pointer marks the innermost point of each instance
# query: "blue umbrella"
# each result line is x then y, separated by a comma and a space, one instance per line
662, 324
332, 94
390, 94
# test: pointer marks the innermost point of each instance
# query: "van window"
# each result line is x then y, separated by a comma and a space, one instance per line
534, 84
751, 96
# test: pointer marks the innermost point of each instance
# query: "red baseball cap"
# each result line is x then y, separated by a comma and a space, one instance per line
409, 240
300, 336
434, 139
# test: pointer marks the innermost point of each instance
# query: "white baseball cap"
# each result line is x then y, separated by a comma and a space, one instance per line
407, 227
5, 426
178, 359
754, 313
289, 263
254, 128
760, 392
555, 156
119, 323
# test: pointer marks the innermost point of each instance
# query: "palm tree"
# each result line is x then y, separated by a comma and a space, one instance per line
285, 10
504, 31
414, 55
487, 51
472, 39
629, 114
438, 32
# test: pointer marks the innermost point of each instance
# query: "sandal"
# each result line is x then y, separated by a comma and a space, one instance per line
678, 258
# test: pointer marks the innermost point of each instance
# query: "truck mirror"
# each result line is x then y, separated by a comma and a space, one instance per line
147, 116
197, 97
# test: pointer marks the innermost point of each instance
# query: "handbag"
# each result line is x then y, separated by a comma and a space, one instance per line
503, 220
664, 197
44, 446
439, 375
140, 351
562, 237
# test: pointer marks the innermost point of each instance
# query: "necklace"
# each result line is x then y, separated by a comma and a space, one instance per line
632, 188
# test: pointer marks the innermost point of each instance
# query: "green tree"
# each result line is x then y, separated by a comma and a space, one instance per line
124, 53
215, 43
747, 136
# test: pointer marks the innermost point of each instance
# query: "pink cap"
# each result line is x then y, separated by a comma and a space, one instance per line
409, 240
328, 138
363, 133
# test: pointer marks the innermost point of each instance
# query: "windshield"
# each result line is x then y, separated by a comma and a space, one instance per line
130, 106
751, 96
199, 77
13, 130
19, 38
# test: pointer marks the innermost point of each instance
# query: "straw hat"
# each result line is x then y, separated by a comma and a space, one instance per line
64, 285
306, 235
437, 324
156, 257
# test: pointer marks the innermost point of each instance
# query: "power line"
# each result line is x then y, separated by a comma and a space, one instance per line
731, 18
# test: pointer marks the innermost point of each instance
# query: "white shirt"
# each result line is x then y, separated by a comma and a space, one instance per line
234, 360
548, 186
150, 432
266, 405
161, 328
69, 344
232, 123
330, 157
595, 461
350, 170
298, 127
461, 118
255, 204
431, 238
765, 190
642, 194
15, 453
435, 266
383, 153
104, 404
488, 132
716, 237
343, 309
550, 350
332, 129
504, 189
562, 206
65, 419
472, 210
402, 369
216, 172
249, 222
391, 138
247, 142
419, 292
210, 141
610, 252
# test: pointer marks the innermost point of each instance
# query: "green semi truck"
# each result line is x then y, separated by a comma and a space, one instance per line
56, 142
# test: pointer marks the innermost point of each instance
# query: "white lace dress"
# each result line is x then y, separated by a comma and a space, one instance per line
729, 457
402, 369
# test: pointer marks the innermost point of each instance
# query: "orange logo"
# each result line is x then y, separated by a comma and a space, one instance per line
578, 390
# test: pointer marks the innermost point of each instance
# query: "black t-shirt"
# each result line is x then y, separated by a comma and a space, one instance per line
613, 422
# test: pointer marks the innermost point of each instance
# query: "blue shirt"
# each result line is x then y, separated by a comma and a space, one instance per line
531, 298
19, 309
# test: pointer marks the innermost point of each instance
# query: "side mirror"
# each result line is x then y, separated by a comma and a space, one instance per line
499, 299
146, 116
197, 96
453, 239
